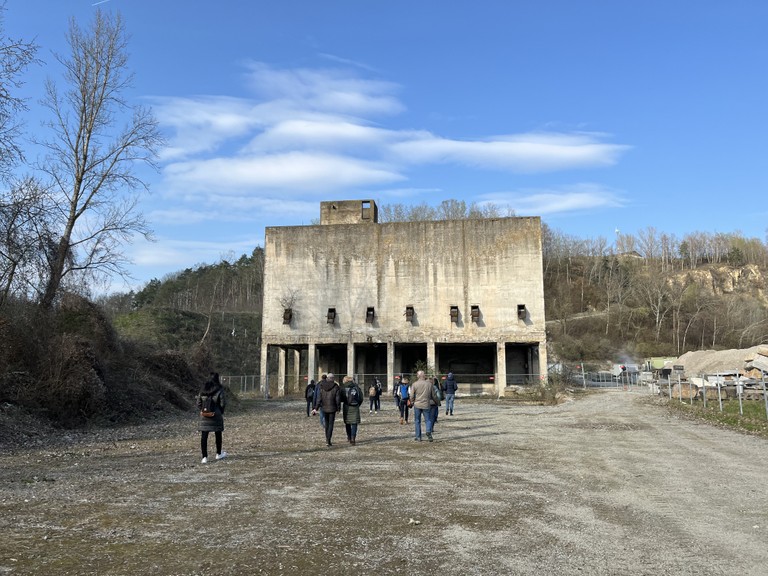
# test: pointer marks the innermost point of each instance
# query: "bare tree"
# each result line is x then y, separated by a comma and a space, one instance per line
24, 238
15, 56
92, 159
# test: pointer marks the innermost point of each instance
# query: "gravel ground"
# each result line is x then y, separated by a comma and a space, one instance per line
611, 483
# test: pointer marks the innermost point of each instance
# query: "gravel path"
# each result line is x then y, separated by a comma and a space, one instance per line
608, 484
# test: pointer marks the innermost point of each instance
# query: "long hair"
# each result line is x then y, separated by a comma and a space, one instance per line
209, 386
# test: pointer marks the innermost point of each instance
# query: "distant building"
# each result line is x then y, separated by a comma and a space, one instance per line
353, 296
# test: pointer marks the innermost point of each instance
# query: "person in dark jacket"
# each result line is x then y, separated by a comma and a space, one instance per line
351, 410
206, 424
309, 394
316, 399
434, 406
450, 387
329, 403
377, 407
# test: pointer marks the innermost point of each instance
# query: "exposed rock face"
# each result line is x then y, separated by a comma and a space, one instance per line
720, 280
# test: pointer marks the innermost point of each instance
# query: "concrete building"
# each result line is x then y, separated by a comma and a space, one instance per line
353, 296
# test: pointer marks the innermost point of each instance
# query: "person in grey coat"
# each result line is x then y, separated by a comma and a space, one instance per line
206, 424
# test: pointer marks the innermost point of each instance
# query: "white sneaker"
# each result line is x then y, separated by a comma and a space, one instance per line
221, 456
204, 461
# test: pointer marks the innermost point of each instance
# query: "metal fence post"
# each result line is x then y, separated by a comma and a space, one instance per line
719, 396
739, 388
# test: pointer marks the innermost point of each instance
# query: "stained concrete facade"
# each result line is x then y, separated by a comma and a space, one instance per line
353, 296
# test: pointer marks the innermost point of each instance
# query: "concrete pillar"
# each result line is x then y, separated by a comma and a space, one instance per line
542, 363
263, 383
431, 355
390, 364
281, 372
312, 363
350, 359
296, 370
501, 368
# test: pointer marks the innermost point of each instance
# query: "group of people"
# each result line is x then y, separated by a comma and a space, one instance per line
327, 398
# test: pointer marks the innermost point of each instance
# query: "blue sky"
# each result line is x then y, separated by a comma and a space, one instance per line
593, 114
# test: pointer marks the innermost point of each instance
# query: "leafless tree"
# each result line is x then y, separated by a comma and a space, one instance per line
24, 237
15, 56
97, 141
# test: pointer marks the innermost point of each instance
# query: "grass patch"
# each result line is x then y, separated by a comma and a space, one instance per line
753, 420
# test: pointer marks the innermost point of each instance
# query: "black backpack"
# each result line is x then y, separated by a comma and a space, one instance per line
209, 406
310, 392
353, 396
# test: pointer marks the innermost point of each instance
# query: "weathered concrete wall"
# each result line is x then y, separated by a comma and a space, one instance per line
495, 264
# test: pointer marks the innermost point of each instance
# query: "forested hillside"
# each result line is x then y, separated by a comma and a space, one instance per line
653, 294
647, 295
217, 306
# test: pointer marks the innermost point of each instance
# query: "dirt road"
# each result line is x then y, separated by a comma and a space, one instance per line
607, 484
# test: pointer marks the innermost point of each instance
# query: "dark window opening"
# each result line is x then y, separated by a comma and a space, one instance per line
521, 312
369, 314
287, 315
454, 313
409, 312
331, 315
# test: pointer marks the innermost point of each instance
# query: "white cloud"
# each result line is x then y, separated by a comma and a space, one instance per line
326, 133
294, 172
326, 89
202, 124
524, 153
312, 131
569, 199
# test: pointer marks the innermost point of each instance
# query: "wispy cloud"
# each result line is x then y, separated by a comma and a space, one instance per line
569, 199
313, 131
287, 173
522, 153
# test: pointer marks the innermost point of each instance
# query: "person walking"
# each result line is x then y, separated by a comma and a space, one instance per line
396, 391
309, 394
329, 403
352, 397
450, 387
404, 393
423, 395
211, 403
372, 398
316, 399
434, 406
377, 406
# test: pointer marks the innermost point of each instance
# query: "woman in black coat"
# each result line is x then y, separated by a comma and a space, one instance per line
211, 395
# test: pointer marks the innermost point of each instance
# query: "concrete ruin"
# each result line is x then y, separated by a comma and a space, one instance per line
374, 300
